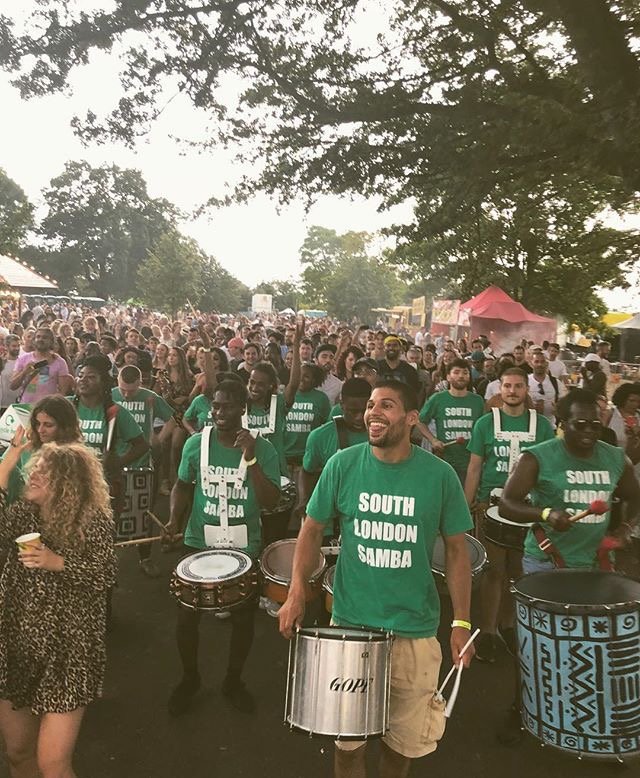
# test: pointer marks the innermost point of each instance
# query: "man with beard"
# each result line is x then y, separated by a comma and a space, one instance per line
454, 411
496, 442
240, 459
371, 488
393, 367
41, 372
325, 357
520, 359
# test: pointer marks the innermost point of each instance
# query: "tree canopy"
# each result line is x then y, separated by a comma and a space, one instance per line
492, 90
344, 275
100, 223
16, 215
475, 109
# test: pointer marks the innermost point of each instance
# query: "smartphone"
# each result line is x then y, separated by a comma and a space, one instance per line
39, 365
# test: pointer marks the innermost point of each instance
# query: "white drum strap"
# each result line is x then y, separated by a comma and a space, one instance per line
272, 419
514, 439
221, 480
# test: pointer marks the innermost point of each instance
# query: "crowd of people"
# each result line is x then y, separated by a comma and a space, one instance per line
284, 428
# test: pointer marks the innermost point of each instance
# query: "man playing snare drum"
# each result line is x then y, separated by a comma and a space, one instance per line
231, 451
392, 500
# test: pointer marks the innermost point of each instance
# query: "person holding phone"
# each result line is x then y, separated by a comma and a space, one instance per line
41, 372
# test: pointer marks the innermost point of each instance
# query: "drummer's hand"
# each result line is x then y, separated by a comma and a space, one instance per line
559, 521
459, 636
247, 443
437, 447
622, 533
171, 532
290, 616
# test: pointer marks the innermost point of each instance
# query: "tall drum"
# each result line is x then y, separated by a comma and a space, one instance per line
579, 651
339, 682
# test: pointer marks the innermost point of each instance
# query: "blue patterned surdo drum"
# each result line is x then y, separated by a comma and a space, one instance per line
579, 652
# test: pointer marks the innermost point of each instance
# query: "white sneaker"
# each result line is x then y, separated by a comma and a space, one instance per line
264, 603
222, 614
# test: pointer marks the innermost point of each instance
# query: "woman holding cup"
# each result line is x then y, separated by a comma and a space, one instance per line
53, 420
53, 594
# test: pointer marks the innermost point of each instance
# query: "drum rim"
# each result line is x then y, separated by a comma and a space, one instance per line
328, 579
336, 632
508, 522
553, 606
276, 578
483, 560
231, 551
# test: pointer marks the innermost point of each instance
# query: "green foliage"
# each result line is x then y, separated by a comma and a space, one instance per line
343, 277
222, 292
468, 106
286, 294
545, 247
16, 215
99, 225
171, 274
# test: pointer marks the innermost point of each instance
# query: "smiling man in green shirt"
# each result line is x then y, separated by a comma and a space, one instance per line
392, 500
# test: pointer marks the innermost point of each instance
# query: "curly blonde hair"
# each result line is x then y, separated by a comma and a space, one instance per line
77, 489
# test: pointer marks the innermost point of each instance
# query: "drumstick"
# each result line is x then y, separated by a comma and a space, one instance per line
157, 521
142, 541
460, 441
597, 506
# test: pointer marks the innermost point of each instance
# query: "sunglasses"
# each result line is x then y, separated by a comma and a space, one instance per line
580, 425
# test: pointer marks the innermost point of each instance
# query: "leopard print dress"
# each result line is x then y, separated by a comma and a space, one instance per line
52, 625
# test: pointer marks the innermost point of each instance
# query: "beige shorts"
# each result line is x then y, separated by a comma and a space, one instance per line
416, 720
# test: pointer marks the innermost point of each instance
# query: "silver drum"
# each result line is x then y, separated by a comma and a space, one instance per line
338, 682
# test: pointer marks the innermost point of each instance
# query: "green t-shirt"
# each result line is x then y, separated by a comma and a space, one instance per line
336, 410
322, 444
243, 507
144, 406
258, 419
570, 483
309, 411
17, 477
454, 418
390, 516
495, 467
199, 412
93, 425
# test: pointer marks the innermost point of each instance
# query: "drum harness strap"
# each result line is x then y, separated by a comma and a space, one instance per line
221, 480
514, 438
341, 432
272, 419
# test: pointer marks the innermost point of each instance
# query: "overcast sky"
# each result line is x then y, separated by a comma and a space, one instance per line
255, 242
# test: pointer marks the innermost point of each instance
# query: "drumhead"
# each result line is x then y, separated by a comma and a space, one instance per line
276, 562
327, 583
343, 633
591, 588
494, 514
477, 555
213, 565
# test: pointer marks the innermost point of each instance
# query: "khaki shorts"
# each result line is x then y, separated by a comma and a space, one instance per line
416, 720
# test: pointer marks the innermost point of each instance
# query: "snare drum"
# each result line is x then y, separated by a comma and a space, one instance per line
502, 532
327, 585
477, 557
132, 520
338, 682
287, 499
214, 580
579, 652
276, 565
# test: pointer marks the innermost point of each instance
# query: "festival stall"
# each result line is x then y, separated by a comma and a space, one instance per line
504, 321
17, 279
